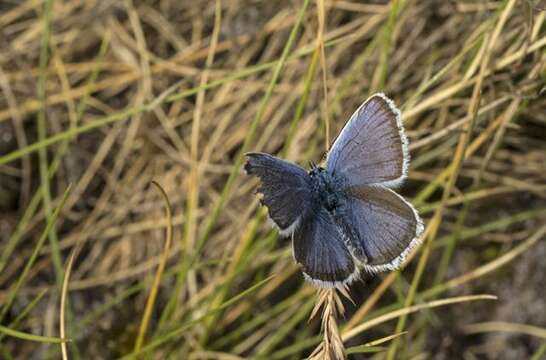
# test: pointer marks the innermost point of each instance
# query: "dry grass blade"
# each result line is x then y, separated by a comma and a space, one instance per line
492, 265
501, 326
411, 309
159, 272
64, 292
319, 350
385, 339
321, 12
372, 346
194, 181
455, 168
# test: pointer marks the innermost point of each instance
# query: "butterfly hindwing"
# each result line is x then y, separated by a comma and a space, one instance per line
386, 226
372, 147
285, 188
320, 250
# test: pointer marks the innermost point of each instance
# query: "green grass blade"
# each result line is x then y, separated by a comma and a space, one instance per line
182, 328
30, 337
50, 222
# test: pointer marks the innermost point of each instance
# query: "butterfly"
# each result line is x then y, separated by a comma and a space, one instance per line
345, 218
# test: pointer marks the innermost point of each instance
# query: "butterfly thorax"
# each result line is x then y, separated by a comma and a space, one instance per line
323, 189
335, 202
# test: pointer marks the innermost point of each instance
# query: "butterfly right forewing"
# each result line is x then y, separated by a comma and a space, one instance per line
372, 147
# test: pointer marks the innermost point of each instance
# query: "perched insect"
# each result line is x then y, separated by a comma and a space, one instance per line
345, 218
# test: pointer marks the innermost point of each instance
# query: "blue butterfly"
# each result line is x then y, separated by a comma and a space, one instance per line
345, 218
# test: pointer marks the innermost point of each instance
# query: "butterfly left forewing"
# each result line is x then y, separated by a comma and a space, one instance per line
285, 189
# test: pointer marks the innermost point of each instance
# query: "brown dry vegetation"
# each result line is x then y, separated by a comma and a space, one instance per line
110, 95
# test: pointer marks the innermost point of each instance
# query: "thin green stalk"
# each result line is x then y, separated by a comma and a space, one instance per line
300, 108
25, 311
310, 76
233, 269
250, 135
455, 167
285, 329
30, 337
450, 247
211, 221
50, 222
63, 147
541, 351
193, 193
182, 328
353, 75
496, 225
42, 134
363, 349
259, 319
476, 184
378, 81
6, 354
51, 171
295, 348
128, 113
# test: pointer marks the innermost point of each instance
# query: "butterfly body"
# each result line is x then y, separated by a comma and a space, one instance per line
344, 218
327, 194
324, 189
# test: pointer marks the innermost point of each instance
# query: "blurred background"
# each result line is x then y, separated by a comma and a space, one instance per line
106, 96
